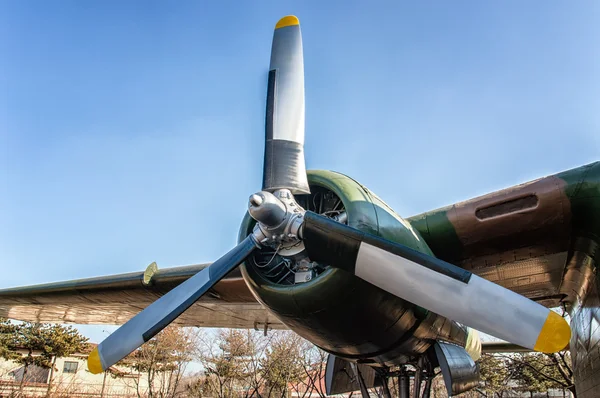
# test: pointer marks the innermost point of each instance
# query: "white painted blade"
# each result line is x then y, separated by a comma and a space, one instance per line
478, 303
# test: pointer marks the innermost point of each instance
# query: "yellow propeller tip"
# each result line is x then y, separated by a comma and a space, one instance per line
93, 361
555, 334
289, 20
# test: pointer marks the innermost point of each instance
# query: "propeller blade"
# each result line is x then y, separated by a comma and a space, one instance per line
284, 165
436, 285
165, 310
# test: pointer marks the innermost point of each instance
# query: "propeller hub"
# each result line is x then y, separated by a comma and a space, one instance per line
278, 217
256, 200
267, 209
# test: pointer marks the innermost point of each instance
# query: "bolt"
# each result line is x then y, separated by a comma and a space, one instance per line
256, 200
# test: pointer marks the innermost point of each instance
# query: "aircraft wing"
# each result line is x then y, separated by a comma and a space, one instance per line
532, 238
524, 238
115, 299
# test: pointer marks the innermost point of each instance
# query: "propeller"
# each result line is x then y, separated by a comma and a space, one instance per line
165, 310
284, 174
435, 285
284, 166
424, 280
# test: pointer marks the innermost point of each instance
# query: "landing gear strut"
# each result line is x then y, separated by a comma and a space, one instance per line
423, 372
361, 380
403, 383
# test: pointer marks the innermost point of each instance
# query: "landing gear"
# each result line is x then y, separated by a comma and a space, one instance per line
422, 376
342, 376
419, 375
423, 373
429, 374
361, 381
403, 383
385, 389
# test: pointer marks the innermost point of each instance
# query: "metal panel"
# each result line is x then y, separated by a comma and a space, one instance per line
339, 376
458, 368
537, 278
582, 284
585, 345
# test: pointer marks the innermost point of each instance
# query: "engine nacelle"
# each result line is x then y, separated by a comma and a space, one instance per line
335, 310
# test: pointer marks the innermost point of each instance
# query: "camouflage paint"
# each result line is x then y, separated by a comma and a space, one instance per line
572, 199
566, 230
583, 191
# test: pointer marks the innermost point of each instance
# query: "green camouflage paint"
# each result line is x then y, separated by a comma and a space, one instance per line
583, 190
343, 314
579, 188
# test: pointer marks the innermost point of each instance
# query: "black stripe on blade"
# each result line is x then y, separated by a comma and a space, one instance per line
270, 104
329, 242
216, 272
284, 166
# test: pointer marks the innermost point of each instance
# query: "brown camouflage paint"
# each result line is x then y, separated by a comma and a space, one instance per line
547, 250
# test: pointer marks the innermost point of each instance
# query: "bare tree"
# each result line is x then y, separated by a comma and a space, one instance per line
495, 375
226, 358
538, 372
313, 361
248, 364
282, 365
256, 375
162, 361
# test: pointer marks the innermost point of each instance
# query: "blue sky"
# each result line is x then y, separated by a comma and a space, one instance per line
131, 132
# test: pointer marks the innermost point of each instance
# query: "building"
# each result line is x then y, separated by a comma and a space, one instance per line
70, 379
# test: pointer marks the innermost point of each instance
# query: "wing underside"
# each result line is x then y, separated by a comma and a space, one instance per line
115, 299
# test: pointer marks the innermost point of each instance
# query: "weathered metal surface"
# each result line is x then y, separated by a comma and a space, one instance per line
117, 298
535, 250
458, 368
518, 237
582, 287
584, 195
585, 344
339, 377
537, 278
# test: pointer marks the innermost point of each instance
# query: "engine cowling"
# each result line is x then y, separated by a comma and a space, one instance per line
339, 312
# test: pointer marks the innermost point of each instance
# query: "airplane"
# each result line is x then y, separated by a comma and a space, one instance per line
322, 255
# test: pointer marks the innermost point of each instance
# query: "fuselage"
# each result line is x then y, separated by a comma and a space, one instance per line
337, 311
